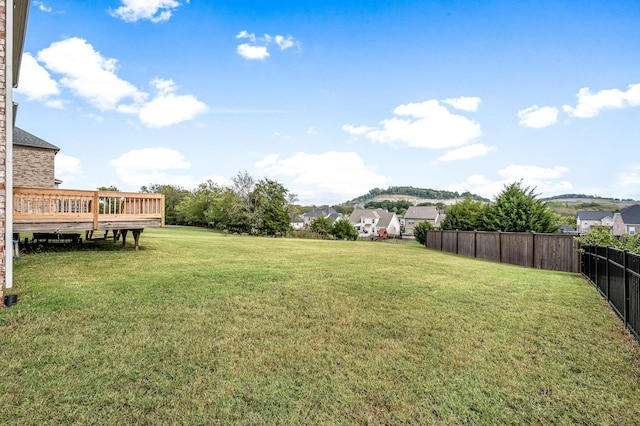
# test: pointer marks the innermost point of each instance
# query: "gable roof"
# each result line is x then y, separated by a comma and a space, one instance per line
320, 212
357, 214
421, 212
593, 215
631, 215
24, 138
384, 217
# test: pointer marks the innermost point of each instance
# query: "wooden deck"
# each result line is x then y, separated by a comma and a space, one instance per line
60, 210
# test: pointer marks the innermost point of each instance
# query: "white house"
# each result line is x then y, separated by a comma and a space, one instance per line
587, 219
368, 222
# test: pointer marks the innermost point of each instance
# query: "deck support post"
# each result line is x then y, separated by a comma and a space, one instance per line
136, 237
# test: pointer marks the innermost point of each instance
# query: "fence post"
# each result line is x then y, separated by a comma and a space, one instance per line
457, 240
533, 249
595, 261
606, 272
500, 246
475, 244
625, 256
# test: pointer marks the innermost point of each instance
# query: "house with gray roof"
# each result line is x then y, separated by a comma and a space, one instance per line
417, 214
627, 221
33, 161
328, 213
368, 222
587, 219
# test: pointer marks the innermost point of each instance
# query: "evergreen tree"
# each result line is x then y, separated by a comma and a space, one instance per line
343, 230
517, 209
420, 231
322, 226
464, 216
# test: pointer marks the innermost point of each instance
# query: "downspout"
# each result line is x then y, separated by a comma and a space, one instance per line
8, 233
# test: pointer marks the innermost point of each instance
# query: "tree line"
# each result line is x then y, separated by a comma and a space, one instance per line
246, 206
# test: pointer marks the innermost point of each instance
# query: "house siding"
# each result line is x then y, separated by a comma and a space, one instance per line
33, 167
3, 144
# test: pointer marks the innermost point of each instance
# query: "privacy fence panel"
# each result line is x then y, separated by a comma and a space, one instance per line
556, 252
616, 274
450, 241
545, 251
487, 245
467, 243
517, 249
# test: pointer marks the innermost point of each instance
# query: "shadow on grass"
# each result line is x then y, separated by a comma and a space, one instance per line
91, 245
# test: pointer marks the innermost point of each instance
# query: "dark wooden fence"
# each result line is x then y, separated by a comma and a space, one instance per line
616, 274
556, 252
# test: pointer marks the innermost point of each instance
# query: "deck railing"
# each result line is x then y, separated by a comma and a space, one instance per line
53, 205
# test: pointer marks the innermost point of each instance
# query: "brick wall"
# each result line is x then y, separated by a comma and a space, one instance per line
3, 142
33, 167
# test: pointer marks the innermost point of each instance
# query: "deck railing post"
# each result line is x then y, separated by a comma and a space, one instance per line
95, 210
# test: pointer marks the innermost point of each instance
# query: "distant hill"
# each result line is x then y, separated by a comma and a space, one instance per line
412, 194
582, 198
571, 204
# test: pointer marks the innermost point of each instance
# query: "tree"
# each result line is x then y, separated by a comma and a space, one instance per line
322, 226
602, 236
173, 196
420, 231
271, 202
517, 209
109, 188
465, 215
199, 206
343, 230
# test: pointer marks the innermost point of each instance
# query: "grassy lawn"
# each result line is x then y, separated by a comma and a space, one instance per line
201, 328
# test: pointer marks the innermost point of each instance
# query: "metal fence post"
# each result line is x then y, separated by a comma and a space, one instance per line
606, 272
625, 264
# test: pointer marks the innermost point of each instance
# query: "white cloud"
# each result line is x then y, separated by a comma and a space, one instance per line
466, 152
284, 43
150, 159
591, 104
430, 125
516, 172
92, 77
156, 165
537, 117
547, 181
627, 183
247, 35
42, 7
88, 74
258, 47
335, 174
464, 103
168, 108
250, 52
35, 82
68, 168
152, 10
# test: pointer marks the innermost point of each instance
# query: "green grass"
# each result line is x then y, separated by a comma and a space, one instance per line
201, 328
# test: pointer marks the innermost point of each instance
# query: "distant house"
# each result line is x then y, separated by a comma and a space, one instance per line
418, 214
627, 221
296, 221
33, 161
368, 222
566, 229
328, 213
587, 219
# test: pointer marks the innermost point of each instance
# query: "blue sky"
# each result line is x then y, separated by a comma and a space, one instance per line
335, 98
